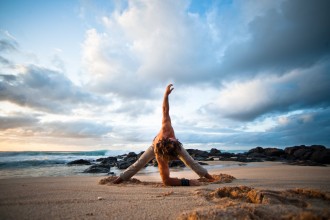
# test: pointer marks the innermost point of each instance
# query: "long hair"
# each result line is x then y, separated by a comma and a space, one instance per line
167, 149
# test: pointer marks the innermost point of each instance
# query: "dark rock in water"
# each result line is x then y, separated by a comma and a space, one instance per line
273, 152
202, 163
111, 161
226, 155
123, 164
98, 168
79, 162
131, 154
256, 155
214, 152
259, 150
131, 160
321, 156
154, 163
289, 151
176, 163
198, 153
200, 158
314, 153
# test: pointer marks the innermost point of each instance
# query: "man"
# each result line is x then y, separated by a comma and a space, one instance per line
166, 147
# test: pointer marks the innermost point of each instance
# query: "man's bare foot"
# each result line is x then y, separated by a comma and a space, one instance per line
118, 180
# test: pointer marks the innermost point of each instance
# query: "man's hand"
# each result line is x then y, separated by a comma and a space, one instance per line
169, 89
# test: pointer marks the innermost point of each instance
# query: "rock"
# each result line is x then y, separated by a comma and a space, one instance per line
202, 163
314, 153
123, 164
198, 153
290, 150
131, 154
259, 150
273, 152
200, 158
111, 161
302, 153
98, 168
176, 163
226, 155
155, 163
214, 152
256, 155
79, 162
321, 156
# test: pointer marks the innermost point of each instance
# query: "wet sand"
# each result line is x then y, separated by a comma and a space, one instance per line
259, 190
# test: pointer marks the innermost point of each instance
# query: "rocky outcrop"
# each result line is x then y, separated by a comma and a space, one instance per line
98, 168
315, 155
79, 162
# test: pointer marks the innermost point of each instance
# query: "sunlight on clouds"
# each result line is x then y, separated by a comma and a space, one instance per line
245, 73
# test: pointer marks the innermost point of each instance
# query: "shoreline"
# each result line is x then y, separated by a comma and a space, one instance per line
82, 197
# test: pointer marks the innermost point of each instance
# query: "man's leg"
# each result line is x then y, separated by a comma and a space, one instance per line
190, 162
139, 164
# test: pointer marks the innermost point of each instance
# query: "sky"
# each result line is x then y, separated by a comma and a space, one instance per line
90, 75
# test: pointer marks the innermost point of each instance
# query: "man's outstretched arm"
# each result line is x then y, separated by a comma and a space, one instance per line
166, 106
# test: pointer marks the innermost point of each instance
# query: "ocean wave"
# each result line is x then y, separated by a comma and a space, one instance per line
54, 153
30, 163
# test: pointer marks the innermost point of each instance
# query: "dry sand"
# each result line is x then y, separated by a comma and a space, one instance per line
268, 190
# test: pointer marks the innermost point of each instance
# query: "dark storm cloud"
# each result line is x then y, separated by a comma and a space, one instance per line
45, 90
310, 127
306, 128
295, 36
305, 90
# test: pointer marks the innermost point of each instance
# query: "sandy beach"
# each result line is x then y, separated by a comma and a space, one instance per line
259, 188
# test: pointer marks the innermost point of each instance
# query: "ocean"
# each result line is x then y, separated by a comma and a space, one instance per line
54, 163
47, 163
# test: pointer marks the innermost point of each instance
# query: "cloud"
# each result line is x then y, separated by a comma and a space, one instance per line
44, 89
296, 35
310, 127
296, 90
75, 129
17, 121
7, 42
148, 44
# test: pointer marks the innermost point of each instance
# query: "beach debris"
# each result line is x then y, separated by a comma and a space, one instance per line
100, 198
221, 178
243, 202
